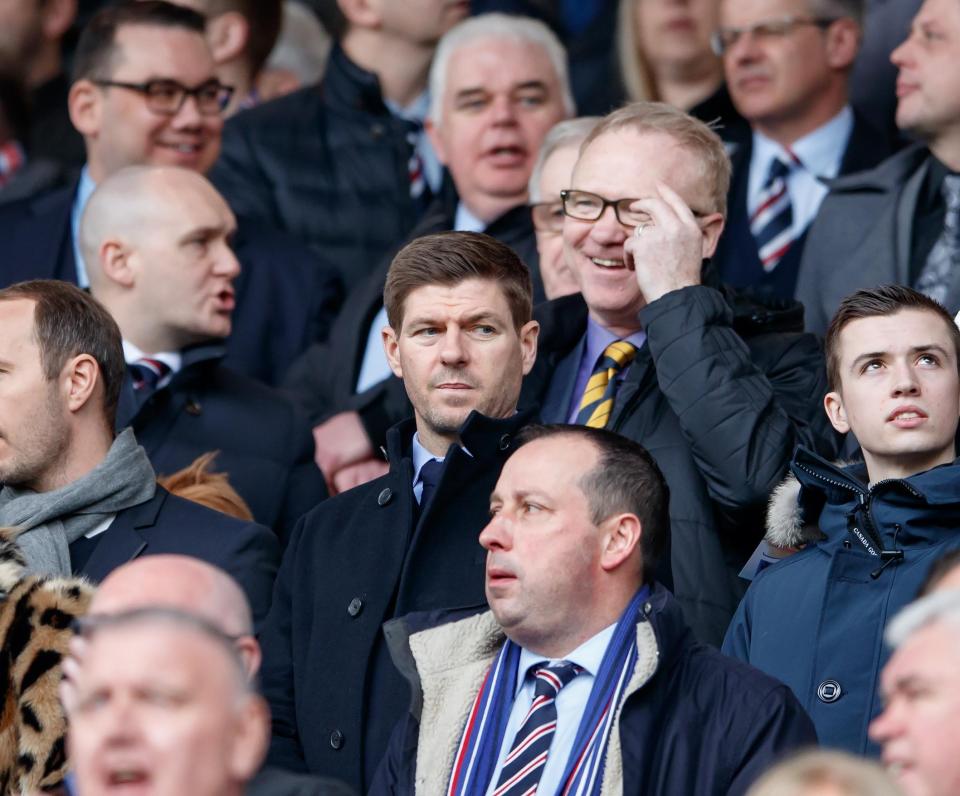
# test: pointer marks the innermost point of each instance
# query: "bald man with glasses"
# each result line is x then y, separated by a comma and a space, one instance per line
718, 387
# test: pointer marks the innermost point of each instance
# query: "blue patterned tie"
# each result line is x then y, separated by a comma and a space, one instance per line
772, 221
940, 270
524, 765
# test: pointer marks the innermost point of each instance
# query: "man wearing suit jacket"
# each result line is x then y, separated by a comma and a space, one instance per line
86, 500
499, 84
145, 92
787, 65
461, 337
156, 244
898, 222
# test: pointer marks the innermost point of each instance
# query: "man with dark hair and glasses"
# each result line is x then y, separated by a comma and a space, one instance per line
145, 92
718, 387
787, 65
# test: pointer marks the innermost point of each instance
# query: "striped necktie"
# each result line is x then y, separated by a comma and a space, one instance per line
597, 402
147, 373
523, 766
772, 221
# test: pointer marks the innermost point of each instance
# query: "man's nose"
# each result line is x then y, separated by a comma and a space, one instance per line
452, 349
496, 533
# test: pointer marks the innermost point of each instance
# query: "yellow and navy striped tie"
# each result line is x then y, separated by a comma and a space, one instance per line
597, 401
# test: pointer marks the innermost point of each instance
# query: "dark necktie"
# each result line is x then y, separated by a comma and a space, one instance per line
523, 766
772, 221
597, 401
429, 477
939, 272
146, 374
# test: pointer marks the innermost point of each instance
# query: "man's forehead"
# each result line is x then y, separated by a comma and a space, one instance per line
468, 295
17, 316
899, 331
748, 11
147, 49
517, 62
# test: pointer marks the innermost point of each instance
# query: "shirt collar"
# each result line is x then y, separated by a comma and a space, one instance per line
172, 359
420, 457
416, 111
820, 151
598, 338
85, 188
465, 221
588, 656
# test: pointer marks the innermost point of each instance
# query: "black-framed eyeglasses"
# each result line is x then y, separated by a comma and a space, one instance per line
547, 216
166, 97
586, 206
725, 38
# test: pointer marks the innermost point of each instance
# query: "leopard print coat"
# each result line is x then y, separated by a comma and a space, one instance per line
35, 619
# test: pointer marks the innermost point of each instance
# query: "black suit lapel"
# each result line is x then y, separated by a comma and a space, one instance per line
123, 541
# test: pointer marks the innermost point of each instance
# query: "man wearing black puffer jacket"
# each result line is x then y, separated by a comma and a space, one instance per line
719, 388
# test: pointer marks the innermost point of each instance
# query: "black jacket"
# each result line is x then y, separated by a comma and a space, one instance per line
719, 395
323, 379
355, 561
736, 258
693, 722
265, 445
328, 164
168, 524
286, 299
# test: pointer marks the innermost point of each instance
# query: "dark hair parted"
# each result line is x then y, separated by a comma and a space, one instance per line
96, 47
873, 303
625, 479
68, 322
448, 258
942, 567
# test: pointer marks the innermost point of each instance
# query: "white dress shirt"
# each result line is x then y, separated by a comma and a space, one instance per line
571, 704
820, 154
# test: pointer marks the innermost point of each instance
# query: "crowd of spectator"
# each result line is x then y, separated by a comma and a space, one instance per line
480, 397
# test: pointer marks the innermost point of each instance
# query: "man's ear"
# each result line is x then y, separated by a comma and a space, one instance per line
227, 35
79, 378
529, 334
436, 140
116, 262
391, 346
842, 43
712, 227
84, 104
833, 405
621, 536
251, 737
57, 17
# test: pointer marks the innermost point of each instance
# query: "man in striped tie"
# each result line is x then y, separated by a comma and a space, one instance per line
719, 388
583, 673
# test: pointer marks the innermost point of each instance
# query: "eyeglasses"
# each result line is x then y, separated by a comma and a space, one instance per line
725, 38
586, 206
166, 97
547, 216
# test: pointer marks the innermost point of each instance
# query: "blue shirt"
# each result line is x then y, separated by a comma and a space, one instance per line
597, 339
85, 189
571, 703
820, 154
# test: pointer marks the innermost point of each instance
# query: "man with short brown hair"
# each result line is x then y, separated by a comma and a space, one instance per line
461, 338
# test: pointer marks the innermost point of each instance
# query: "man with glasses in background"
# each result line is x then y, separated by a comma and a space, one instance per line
145, 92
718, 387
787, 65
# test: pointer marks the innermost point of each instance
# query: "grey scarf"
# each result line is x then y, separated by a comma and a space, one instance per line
49, 521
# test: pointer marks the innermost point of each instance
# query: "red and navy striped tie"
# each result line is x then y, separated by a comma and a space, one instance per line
147, 373
772, 221
524, 764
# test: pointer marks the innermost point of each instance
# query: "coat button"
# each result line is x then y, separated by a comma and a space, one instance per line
377, 131
647, 608
504, 442
336, 739
829, 691
355, 607
194, 408
385, 497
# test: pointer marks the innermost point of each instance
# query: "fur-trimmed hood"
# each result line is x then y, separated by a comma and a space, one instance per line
36, 614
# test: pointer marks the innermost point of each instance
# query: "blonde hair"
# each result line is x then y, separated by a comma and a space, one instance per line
634, 70
693, 135
799, 775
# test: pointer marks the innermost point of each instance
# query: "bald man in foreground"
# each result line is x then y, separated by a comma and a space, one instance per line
194, 587
156, 241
